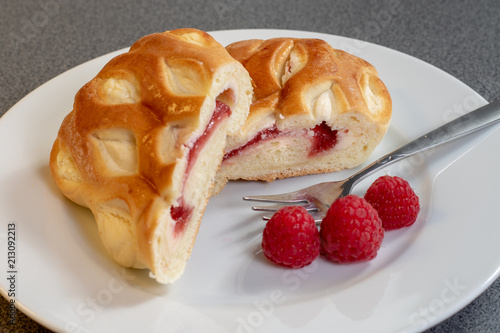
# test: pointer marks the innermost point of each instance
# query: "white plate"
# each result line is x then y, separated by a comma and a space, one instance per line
422, 274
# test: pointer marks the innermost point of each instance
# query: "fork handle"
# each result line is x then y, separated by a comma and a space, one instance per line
466, 124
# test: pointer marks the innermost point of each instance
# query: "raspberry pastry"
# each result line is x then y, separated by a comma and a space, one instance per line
316, 109
144, 141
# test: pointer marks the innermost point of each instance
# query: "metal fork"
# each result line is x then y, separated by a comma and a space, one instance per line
318, 198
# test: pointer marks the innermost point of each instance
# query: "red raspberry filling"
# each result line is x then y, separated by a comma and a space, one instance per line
182, 212
264, 135
322, 137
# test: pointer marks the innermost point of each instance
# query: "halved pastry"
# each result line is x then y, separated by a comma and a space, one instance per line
316, 109
144, 141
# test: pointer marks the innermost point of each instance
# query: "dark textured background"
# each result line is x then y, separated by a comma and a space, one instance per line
40, 39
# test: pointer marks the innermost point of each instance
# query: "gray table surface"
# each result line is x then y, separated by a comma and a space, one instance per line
40, 39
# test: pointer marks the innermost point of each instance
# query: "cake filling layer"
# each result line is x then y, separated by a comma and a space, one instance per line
183, 211
322, 138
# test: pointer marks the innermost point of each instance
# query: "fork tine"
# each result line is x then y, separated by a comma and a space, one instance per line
280, 198
317, 212
308, 206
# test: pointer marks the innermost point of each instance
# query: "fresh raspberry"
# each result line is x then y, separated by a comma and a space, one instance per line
395, 201
291, 238
351, 231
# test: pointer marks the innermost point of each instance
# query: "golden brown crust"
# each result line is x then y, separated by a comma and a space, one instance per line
122, 150
289, 68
